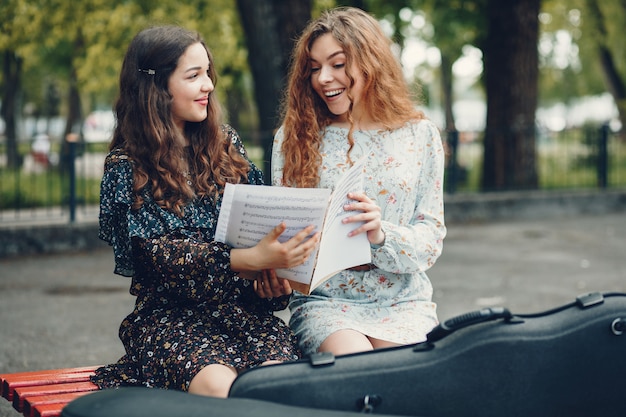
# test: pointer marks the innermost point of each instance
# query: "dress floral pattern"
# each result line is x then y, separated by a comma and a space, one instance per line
191, 310
404, 174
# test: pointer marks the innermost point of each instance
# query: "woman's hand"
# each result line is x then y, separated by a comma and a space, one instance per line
370, 215
270, 253
268, 285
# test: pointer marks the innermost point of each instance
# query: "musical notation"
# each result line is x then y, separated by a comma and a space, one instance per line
249, 212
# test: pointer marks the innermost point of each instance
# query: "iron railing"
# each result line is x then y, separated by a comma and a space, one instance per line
45, 188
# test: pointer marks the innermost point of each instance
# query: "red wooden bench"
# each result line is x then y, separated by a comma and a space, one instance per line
45, 393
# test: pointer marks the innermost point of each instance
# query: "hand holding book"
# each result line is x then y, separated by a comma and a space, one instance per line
249, 212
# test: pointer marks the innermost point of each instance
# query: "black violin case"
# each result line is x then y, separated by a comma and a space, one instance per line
154, 402
569, 361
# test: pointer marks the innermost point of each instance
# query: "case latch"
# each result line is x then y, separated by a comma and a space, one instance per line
322, 358
590, 299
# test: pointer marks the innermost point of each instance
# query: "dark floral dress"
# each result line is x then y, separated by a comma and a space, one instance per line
191, 309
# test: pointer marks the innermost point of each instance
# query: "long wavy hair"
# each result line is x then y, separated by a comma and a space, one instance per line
146, 132
386, 95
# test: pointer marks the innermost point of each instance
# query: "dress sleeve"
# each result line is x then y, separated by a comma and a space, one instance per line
197, 271
187, 268
278, 160
416, 246
116, 196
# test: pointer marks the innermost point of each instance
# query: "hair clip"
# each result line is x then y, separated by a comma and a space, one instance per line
147, 71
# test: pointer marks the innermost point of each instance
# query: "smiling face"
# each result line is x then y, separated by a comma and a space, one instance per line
331, 82
190, 86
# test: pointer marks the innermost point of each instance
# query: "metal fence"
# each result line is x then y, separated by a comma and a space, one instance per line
51, 188
45, 188
583, 158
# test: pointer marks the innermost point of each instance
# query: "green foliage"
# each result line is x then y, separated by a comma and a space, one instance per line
46, 189
55, 37
571, 70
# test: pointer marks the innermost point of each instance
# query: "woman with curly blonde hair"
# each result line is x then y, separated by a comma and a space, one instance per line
347, 99
203, 310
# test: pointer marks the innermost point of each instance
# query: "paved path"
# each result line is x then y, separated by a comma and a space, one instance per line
64, 310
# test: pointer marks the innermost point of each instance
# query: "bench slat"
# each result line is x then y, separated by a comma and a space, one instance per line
22, 379
52, 381
44, 393
47, 410
22, 393
30, 403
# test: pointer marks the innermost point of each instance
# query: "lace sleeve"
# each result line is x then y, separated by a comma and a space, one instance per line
199, 271
186, 268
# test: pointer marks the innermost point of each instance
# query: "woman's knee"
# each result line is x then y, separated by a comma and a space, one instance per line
346, 341
213, 381
381, 344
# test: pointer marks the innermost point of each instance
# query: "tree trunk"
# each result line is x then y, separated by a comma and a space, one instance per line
73, 121
11, 71
511, 78
612, 78
270, 27
446, 89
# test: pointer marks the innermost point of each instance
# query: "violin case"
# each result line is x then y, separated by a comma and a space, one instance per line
568, 361
155, 402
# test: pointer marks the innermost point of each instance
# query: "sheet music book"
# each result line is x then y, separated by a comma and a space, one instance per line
249, 212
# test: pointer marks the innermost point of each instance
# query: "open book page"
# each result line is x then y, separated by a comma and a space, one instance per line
249, 212
337, 250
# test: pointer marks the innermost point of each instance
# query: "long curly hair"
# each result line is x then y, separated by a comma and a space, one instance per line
145, 129
386, 95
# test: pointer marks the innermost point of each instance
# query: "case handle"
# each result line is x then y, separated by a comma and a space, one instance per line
468, 319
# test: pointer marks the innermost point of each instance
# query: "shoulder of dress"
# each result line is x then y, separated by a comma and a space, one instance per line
230, 132
425, 127
422, 123
117, 156
234, 139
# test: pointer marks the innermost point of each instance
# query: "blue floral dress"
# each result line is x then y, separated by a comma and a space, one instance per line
191, 309
393, 301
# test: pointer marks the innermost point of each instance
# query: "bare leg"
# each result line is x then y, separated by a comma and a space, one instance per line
350, 341
214, 381
379, 344
346, 341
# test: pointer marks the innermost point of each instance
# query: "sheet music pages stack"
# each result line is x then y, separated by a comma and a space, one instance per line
249, 212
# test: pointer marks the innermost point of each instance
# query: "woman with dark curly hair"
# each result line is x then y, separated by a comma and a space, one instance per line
204, 310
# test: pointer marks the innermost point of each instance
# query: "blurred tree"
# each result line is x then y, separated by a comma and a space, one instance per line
511, 83
62, 32
78, 46
50, 107
560, 57
604, 23
18, 21
11, 71
271, 27
581, 50
456, 25
109, 27
507, 34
